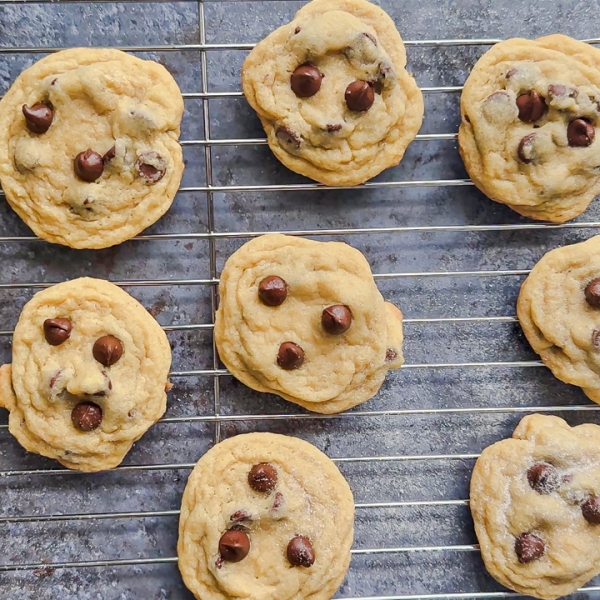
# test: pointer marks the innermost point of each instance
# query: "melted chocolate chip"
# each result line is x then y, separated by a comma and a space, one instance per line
278, 501
239, 515
107, 350
57, 331
86, 416
590, 509
300, 552
580, 133
525, 149
562, 91
359, 96
234, 545
54, 378
262, 478
297, 31
531, 106
38, 117
290, 356
511, 73
110, 154
543, 478
592, 293
336, 319
287, 137
88, 165
529, 547
370, 37
151, 166
306, 80
390, 355
272, 290
334, 128
596, 339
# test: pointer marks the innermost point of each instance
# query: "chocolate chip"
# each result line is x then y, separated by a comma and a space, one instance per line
262, 478
107, 350
151, 166
336, 319
590, 509
57, 331
531, 106
110, 154
390, 355
360, 96
511, 73
300, 552
580, 133
234, 545
54, 378
286, 136
525, 149
306, 80
562, 91
543, 478
529, 547
592, 292
86, 416
272, 290
38, 117
371, 37
333, 128
596, 339
290, 356
297, 30
88, 165
278, 501
239, 515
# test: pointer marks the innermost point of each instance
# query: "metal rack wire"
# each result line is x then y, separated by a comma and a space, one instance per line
216, 373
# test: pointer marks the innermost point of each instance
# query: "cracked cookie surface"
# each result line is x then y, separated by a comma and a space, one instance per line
305, 320
88, 376
559, 311
536, 507
530, 109
89, 152
267, 517
332, 92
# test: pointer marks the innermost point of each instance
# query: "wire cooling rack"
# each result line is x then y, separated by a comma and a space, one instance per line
37, 564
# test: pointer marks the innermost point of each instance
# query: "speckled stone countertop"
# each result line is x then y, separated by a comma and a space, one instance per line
201, 257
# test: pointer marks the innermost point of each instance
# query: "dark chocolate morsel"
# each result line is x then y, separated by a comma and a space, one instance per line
306, 80
592, 293
86, 416
57, 331
336, 319
529, 547
580, 133
107, 350
287, 137
558, 90
38, 117
262, 478
333, 128
531, 106
234, 545
543, 478
524, 151
239, 515
300, 552
110, 154
88, 165
272, 290
359, 96
290, 356
590, 509
151, 166
390, 355
596, 339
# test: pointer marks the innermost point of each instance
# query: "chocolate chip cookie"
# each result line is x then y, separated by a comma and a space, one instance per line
89, 373
265, 516
89, 155
332, 92
530, 109
535, 501
559, 311
305, 320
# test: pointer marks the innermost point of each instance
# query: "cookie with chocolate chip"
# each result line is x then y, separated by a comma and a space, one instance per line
89, 151
304, 320
88, 375
265, 516
535, 501
332, 92
530, 109
559, 311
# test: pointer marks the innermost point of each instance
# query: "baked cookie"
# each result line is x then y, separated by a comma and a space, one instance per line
559, 311
89, 373
89, 155
305, 320
265, 516
530, 109
332, 92
535, 501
